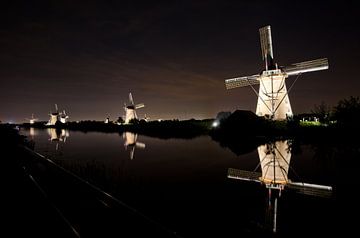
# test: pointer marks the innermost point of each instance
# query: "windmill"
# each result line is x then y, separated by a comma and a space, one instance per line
130, 110
32, 119
273, 100
54, 117
131, 142
275, 163
63, 117
107, 119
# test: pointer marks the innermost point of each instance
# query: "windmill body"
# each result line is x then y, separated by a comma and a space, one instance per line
130, 110
54, 117
131, 143
273, 100
130, 114
63, 117
271, 92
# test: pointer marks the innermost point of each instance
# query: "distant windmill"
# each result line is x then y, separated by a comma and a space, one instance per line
107, 119
275, 163
146, 118
63, 117
131, 142
32, 119
130, 110
54, 117
273, 101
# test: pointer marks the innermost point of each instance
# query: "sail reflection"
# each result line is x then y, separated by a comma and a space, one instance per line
275, 163
131, 143
58, 135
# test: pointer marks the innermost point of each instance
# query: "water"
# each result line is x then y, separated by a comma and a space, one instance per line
184, 184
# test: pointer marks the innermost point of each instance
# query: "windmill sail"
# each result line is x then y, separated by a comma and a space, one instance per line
311, 189
140, 105
266, 47
307, 66
244, 175
242, 81
131, 100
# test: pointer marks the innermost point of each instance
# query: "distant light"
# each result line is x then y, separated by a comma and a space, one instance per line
215, 124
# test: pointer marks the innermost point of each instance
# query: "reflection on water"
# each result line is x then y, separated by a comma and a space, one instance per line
274, 160
32, 132
177, 178
131, 143
275, 163
58, 135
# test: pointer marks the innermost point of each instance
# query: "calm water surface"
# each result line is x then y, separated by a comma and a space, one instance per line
184, 184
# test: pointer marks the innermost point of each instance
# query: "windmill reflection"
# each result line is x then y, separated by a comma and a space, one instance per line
32, 133
58, 135
131, 143
275, 163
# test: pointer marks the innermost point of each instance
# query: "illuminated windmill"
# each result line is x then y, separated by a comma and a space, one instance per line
275, 163
273, 100
130, 110
107, 120
32, 119
63, 117
54, 117
131, 142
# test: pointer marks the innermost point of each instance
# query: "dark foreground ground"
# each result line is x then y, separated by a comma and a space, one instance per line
40, 199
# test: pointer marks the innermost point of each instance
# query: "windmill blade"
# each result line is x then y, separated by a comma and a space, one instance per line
244, 175
311, 189
266, 42
140, 105
307, 66
132, 152
131, 100
140, 145
242, 81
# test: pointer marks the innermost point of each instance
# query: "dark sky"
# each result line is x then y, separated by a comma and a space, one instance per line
86, 56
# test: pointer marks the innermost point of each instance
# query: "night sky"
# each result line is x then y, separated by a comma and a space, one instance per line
86, 56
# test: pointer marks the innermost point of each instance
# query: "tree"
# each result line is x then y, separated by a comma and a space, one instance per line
322, 111
120, 120
347, 112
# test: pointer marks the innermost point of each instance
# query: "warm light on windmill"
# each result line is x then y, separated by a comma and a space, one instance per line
273, 99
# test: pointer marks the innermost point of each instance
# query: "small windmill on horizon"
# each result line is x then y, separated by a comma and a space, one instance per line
130, 110
273, 100
32, 119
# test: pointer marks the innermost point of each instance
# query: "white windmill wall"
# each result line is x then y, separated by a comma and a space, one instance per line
275, 166
53, 119
63, 119
130, 138
273, 87
130, 114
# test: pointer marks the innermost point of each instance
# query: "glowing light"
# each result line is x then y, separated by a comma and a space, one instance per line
215, 124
